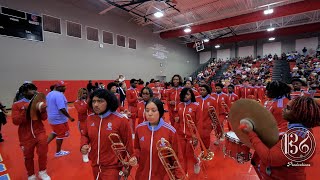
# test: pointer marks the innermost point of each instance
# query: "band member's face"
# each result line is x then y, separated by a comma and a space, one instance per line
176, 81
203, 91
99, 105
246, 83
152, 113
259, 82
157, 84
134, 85
218, 89
202, 82
84, 95
287, 111
253, 83
187, 97
230, 89
296, 85
145, 95
188, 84
30, 93
113, 89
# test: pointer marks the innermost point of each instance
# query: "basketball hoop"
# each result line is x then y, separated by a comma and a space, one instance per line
199, 46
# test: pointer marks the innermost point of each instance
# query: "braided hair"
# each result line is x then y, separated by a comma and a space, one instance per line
305, 110
278, 89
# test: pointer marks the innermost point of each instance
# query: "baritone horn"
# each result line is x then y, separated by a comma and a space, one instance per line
121, 152
217, 127
200, 150
169, 160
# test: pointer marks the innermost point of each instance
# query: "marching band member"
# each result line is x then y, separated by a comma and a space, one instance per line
82, 108
246, 90
133, 99
146, 94
188, 106
302, 112
260, 91
188, 84
32, 133
173, 97
232, 96
112, 87
104, 121
278, 94
157, 89
222, 100
148, 133
205, 101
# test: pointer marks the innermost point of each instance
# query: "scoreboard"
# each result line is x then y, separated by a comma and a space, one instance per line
20, 24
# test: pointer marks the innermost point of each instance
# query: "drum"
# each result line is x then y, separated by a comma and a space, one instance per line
235, 149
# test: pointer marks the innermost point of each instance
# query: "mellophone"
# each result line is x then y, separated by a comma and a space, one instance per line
237, 144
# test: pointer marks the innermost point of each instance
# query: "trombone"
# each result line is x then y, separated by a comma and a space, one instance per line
121, 152
169, 159
217, 127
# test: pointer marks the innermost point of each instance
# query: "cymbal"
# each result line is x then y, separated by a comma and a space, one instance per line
36, 105
265, 125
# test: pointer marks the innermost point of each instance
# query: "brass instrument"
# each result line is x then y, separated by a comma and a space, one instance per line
217, 127
121, 152
200, 150
169, 159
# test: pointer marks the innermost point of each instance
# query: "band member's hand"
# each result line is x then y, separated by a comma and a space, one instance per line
172, 102
85, 149
71, 119
140, 98
128, 113
246, 126
133, 161
176, 119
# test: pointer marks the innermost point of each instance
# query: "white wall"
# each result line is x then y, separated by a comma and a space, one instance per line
272, 48
246, 51
68, 58
204, 56
310, 43
223, 54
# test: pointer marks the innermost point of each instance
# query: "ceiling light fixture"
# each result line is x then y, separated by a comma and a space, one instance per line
271, 29
187, 30
206, 40
268, 11
158, 14
272, 39
217, 46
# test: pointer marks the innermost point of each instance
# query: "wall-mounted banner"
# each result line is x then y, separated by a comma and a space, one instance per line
160, 51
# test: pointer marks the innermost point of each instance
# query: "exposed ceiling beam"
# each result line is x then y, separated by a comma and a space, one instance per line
106, 10
286, 10
315, 27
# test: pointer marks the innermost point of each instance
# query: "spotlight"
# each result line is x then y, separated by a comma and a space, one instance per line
158, 14
268, 11
206, 40
272, 39
187, 30
217, 46
271, 29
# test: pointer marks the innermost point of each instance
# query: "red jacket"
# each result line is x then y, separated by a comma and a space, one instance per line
204, 104
260, 92
157, 92
82, 109
296, 94
273, 162
220, 98
174, 95
232, 98
193, 109
101, 152
195, 92
132, 96
275, 106
28, 129
145, 148
237, 89
246, 91
141, 107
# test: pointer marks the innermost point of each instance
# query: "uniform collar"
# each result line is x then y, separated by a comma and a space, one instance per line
205, 98
105, 114
188, 102
157, 127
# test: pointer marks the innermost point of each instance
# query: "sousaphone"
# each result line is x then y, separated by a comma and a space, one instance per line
264, 123
36, 106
